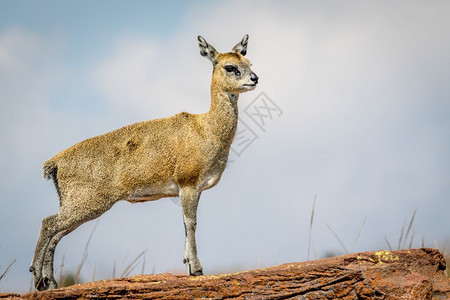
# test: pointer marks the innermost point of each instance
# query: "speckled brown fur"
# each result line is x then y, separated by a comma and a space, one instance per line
177, 156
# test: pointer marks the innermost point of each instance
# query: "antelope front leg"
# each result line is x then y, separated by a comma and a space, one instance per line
189, 201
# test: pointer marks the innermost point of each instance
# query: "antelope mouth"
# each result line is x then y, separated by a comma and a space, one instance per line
249, 86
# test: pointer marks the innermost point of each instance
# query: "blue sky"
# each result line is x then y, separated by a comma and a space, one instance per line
87, 23
365, 101
85, 29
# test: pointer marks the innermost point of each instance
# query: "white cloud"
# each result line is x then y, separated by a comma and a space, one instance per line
151, 79
124, 76
28, 73
20, 49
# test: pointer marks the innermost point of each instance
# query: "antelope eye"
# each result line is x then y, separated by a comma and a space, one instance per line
230, 68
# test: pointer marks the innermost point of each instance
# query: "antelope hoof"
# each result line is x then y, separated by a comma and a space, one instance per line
190, 268
41, 283
45, 283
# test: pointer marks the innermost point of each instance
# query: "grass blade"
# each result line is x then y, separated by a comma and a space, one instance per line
387, 242
7, 269
410, 226
61, 269
143, 266
85, 253
310, 226
411, 241
401, 237
359, 232
339, 240
132, 265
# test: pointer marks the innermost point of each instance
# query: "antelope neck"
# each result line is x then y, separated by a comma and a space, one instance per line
222, 116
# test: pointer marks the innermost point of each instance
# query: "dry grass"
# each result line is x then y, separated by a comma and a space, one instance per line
346, 250
85, 253
7, 269
71, 278
131, 266
310, 226
403, 239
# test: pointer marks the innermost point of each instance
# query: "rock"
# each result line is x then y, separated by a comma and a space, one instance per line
11, 296
404, 274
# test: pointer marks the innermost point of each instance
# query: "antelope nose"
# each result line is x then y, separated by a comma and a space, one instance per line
254, 78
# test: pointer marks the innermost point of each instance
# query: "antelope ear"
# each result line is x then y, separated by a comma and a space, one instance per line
207, 50
241, 47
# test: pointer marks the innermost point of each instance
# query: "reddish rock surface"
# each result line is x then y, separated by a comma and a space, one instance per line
404, 274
